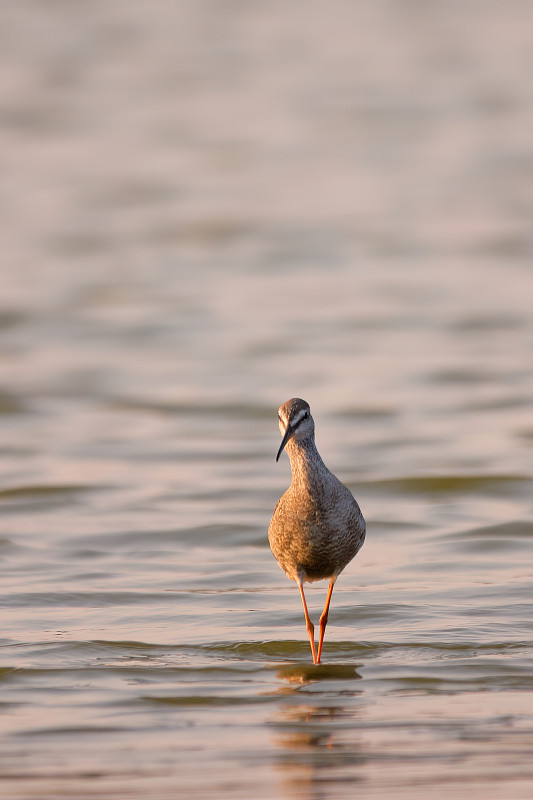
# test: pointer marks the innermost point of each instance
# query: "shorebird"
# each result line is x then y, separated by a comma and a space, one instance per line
317, 526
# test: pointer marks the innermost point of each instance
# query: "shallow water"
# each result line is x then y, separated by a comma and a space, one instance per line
209, 209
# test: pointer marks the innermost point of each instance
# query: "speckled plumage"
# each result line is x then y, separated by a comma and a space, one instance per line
317, 526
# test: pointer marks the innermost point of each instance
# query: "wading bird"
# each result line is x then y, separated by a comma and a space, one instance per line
317, 526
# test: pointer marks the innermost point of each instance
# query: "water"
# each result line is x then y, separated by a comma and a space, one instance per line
210, 208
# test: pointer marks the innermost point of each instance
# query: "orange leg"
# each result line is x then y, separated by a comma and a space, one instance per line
308, 624
324, 619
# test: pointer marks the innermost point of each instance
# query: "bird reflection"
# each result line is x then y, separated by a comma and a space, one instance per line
302, 674
315, 742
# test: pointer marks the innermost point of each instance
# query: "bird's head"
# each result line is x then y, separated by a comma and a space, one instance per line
295, 420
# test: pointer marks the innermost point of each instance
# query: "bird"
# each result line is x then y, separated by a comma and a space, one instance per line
317, 526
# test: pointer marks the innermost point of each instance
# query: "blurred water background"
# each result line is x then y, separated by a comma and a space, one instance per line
208, 208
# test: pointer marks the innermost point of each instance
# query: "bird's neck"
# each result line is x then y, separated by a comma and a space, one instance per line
307, 467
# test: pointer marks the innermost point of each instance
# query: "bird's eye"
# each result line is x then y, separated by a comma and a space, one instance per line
306, 415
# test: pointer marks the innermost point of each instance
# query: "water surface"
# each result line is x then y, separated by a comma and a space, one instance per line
207, 210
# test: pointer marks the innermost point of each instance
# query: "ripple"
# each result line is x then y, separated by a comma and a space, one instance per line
12, 404
45, 490
92, 599
451, 484
204, 700
202, 408
507, 536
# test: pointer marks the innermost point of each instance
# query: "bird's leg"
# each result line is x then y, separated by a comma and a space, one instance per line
308, 624
324, 619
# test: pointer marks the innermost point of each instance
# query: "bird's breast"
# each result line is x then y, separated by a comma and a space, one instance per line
313, 535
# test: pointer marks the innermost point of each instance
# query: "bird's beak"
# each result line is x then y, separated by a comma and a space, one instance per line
288, 433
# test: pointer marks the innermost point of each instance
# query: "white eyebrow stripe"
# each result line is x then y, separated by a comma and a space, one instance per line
300, 416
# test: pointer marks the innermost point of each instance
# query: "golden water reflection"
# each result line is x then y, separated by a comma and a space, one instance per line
310, 752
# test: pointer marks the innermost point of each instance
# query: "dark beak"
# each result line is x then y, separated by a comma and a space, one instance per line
288, 433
